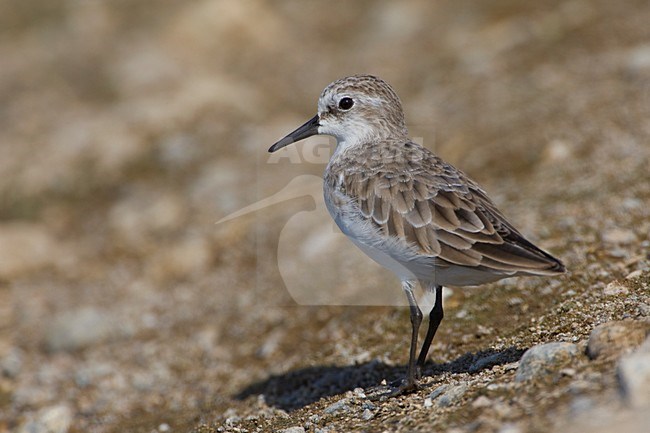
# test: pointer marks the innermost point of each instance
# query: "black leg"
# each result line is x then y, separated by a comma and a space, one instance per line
416, 320
410, 382
435, 317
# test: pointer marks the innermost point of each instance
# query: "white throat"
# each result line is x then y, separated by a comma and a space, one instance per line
349, 137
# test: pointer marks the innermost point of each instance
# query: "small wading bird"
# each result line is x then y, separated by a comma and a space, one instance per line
407, 209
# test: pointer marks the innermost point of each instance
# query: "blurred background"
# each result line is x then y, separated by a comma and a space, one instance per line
128, 128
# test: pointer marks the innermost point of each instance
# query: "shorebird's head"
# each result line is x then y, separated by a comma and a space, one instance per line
355, 110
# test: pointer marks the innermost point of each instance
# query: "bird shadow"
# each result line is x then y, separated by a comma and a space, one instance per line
296, 389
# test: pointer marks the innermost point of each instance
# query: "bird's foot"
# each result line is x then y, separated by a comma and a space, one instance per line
385, 391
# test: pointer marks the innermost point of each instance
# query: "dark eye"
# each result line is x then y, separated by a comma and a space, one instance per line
346, 103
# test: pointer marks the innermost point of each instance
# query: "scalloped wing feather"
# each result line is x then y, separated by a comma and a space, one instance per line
440, 212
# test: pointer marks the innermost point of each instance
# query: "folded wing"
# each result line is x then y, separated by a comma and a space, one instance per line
442, 213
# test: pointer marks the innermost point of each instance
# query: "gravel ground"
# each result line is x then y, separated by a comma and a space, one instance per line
127, 131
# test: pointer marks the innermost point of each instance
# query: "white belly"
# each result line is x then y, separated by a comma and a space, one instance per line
385, 259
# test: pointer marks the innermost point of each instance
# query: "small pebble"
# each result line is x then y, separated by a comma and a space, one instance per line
53, 419
615, 288
367, 414
438, 391
612, 339
617, 253
569, 372
634, 274
545, 360
340, 406
452, 395
510, 428
270, 344
643, 309
297, 429
232, 420
481, 401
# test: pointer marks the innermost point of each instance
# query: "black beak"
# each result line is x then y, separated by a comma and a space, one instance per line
307, 130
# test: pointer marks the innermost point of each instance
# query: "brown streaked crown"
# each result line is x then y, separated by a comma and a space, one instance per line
377, 109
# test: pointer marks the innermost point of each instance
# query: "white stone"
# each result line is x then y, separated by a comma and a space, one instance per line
615, 288
545, 359
297, 429
634, 376
53, 419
